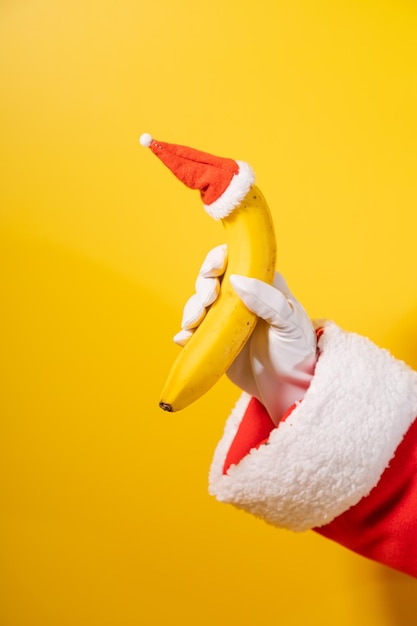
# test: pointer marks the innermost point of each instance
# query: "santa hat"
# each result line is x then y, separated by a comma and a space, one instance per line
223, 183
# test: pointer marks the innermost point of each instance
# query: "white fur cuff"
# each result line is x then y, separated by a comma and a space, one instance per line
333, 448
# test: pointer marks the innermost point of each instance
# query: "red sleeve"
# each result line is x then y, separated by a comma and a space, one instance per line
383, 525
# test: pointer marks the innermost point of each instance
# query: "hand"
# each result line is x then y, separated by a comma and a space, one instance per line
277, 363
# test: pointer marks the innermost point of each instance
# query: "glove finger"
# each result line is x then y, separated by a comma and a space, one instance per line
182, 337
215, 262
194, 312
281, 284
264, 300
207, 289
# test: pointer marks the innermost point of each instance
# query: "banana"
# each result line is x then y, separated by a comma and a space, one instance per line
228, 323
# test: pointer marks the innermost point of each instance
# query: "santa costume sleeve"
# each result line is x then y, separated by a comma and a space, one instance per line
342, 462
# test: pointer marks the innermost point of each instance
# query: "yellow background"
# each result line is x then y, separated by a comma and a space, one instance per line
104, 513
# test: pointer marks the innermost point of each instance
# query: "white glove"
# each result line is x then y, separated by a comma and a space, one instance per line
277, 363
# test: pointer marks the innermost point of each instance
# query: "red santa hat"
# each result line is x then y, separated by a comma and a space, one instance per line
222, 182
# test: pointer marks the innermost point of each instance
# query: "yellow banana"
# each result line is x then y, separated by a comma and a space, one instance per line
228, 323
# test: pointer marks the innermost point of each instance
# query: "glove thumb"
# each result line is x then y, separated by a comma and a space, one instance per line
264, 300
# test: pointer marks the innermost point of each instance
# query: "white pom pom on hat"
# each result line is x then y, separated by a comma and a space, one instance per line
145, 140
222, 182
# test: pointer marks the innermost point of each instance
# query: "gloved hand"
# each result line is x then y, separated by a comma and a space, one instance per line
277, 363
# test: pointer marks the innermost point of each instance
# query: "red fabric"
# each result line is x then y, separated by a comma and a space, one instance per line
253, 431
210, 174
383, 525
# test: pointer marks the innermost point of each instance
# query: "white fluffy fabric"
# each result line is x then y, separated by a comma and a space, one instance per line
234, 194
335, 445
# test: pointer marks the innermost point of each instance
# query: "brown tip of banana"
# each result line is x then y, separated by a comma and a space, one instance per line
166, 407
